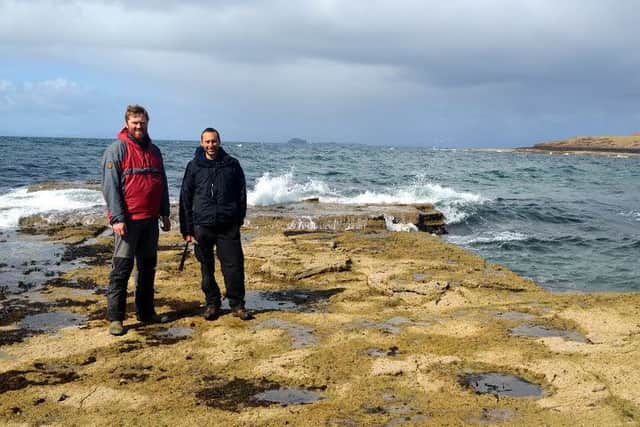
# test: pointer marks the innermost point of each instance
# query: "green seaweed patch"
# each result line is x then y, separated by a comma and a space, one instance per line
129, 346
95, 254
180, 307
79, 283
16, 380
234, 394
14, 336
629, 410
133, 374
15, 310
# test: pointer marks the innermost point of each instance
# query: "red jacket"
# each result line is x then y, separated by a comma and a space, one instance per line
134, 183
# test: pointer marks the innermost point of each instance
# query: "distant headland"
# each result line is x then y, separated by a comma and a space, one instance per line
627, 144
297, 141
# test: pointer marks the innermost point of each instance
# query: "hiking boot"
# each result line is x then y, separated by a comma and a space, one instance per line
212, 312
241, 313
116, 328
154, 318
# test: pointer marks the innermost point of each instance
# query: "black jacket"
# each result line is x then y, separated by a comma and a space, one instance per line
213, 192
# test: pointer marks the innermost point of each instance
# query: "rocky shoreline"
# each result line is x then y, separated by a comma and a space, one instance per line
618, 146
355, 325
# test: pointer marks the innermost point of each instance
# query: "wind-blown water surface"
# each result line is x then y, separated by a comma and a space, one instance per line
567, 222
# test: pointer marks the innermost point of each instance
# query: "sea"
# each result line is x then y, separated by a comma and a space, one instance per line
568, 222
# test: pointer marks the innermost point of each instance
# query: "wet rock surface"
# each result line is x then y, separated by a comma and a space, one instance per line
302, 300
288, 396
352, 328
51, 321
501, 385
541, 331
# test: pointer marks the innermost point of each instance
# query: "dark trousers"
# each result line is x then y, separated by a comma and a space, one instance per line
226, 239
141, 244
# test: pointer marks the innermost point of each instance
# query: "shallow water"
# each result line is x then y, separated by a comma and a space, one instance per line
301, 336
289, 396
538, 331
514, 315
502, 385
52, 321
301, 300
175, 332
29, 261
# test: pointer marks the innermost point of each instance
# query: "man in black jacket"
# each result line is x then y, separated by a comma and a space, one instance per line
213, 204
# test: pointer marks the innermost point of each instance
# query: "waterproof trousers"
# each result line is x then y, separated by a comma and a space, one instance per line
141, 244
226, 240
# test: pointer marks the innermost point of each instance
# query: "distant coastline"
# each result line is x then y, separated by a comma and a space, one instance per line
595, 145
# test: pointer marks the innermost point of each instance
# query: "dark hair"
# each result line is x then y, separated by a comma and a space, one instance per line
134, 110
210, 130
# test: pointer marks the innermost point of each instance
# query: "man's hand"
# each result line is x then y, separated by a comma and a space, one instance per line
188, 238
119, 228
166, 223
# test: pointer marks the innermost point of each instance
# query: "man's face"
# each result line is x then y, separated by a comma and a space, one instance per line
137, 125
210, 143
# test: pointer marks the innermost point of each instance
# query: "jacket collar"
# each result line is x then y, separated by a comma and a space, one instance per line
124, 135
221, 157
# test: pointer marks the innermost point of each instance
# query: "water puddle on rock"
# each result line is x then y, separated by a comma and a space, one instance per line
538, 331
514, 315
420, 277
44, 262
493, 416
501, 385
238, 393
417, 420
301, 336
391, 326
378, 352
175, 332
170, 335
288, 396
403, 411
52, 322
299, 300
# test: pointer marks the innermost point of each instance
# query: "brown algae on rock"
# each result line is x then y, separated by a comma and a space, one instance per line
354, 330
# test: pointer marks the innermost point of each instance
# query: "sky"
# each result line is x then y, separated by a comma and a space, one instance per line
454, 73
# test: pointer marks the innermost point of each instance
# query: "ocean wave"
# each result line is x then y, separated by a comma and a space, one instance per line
488, 237
273, 189
21, 203
634, 215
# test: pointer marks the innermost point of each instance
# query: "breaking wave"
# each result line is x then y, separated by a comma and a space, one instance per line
21, 203
273, 189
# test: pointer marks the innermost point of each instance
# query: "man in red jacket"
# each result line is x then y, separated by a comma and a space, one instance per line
134, 185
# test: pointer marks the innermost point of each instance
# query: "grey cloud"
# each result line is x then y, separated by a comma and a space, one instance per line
471, 63
57, 96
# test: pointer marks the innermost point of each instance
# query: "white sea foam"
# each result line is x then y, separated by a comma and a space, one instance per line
449, 201
488, 237
20, 203
392, 226
631, 214
273, 189
303, 223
